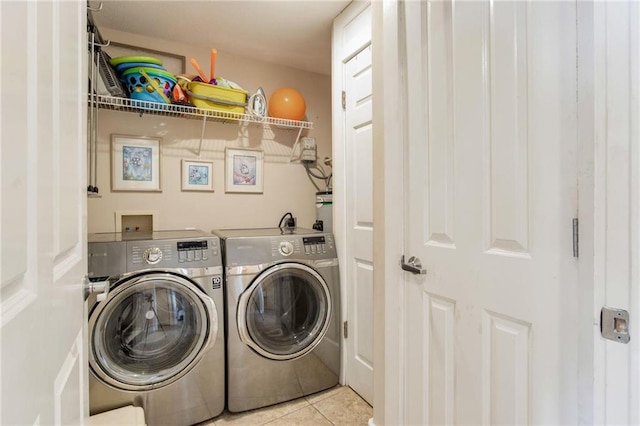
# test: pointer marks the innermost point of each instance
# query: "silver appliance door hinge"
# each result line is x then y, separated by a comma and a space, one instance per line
576, 251
345, 329
344, 100
614, 324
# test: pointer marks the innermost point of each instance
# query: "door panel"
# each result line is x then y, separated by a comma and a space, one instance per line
439, 319
439, 177
43, 202
506, 144
491, 187
362, 335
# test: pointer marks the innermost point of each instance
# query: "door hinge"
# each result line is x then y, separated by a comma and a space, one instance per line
614, 324
345, 329
576, 240
344, 100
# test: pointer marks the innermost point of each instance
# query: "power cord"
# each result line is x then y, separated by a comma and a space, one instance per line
289, 223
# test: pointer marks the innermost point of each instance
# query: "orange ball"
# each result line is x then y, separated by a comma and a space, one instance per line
287, 103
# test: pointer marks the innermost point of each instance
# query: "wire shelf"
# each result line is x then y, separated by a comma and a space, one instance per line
190, 112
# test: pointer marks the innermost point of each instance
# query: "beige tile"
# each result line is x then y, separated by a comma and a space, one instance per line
307, 416
345, 407
261, 416
326, 394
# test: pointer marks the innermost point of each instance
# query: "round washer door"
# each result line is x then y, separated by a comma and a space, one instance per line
285, 312
150, 331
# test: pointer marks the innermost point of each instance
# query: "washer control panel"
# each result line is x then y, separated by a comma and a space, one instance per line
286, 248
174, 253
194, 251
315, 245
152, 255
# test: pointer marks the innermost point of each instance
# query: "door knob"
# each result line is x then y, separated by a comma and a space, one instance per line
413, 265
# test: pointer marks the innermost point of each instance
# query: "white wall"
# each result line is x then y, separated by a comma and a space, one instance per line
286, 185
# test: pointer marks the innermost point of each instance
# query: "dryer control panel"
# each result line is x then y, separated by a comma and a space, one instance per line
301, 246
259, 246
285, 247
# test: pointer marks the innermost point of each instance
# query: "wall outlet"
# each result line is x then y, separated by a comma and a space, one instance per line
308, 150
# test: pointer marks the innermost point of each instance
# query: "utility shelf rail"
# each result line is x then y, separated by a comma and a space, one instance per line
190, 112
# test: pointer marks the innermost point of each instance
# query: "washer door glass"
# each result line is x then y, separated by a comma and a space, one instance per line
150, 331
285, 312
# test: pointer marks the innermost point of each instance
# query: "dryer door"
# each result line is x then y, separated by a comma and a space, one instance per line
285, 311
150, 331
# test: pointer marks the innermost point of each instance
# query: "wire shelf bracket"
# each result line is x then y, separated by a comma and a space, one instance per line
193, 113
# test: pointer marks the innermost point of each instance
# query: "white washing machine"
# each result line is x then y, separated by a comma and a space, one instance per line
283, 309
156, 341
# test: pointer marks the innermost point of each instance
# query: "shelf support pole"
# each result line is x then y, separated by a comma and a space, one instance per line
298, 137
204, 125
295, 144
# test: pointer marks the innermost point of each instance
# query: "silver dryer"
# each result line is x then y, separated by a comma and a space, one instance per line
283, 315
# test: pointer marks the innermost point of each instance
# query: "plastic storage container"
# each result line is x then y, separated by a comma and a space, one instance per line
143, 90
208, 96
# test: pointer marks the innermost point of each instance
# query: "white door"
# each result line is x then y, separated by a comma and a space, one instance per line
359, 273
353, 188
43, 155
491, 190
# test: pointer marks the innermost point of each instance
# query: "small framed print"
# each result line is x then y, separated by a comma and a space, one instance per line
197, 175
243, 171
135, 163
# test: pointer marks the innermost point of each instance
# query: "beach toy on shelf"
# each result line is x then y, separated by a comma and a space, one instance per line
126, 65
125, 59
156, 86
212, 75
287, 103
201, 73
149, 84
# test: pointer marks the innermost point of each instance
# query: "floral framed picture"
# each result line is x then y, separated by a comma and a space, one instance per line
135, 163
243, 171
197, 175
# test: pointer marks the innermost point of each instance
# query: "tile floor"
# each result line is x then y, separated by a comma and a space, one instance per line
336, 406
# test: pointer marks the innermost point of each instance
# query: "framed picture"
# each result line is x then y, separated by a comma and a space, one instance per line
243, 170
135, 163
197, 175
175, 64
